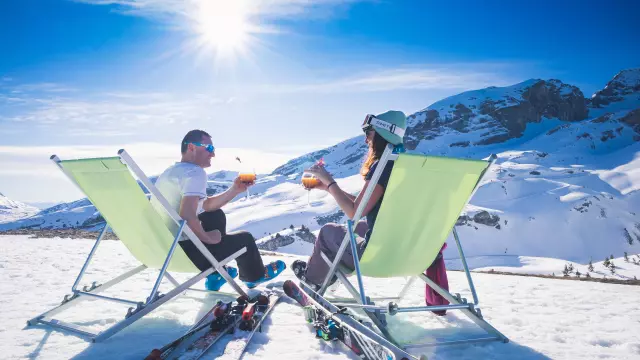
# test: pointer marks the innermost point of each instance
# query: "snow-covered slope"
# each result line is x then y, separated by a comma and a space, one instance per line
564, 185
82, 214
343, 159
618, 268
11, 210
543, 318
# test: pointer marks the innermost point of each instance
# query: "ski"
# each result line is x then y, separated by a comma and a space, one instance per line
165, 351
251, 321
224, 323
333, 323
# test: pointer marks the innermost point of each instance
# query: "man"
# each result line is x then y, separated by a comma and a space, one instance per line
184, 185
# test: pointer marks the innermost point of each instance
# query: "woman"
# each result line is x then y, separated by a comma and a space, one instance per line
380, 130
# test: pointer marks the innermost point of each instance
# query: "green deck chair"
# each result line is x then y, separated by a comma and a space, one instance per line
110, 186
422, 202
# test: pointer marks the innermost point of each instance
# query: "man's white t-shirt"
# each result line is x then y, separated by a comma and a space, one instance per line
180, 179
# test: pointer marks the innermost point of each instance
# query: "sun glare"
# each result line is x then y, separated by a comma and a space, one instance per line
223, 26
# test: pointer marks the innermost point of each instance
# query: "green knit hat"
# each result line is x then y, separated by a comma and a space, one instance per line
391, 125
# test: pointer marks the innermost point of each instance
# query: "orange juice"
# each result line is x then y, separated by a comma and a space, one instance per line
310, 181
247, 177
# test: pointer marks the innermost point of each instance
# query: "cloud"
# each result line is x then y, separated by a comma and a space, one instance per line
122, 113
115, 113
43, 87
423, 77
266, 9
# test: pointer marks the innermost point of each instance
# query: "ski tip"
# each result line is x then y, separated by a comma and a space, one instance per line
154, 355
288, 287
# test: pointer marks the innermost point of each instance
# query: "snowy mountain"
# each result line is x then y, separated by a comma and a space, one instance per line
82, 214
343, 159
493, 115
621, 93
11, 210
564, 185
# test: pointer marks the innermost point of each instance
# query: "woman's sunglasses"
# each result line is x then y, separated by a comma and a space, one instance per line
210, 148
366, 129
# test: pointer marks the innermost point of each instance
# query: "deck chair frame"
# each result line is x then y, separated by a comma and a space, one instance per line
377, 313
137, 309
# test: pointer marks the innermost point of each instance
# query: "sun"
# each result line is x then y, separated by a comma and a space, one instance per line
223, 26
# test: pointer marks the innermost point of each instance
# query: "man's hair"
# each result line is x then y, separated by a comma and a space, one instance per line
192, 136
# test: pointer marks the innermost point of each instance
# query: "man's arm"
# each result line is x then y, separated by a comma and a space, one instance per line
188, 212
215, 202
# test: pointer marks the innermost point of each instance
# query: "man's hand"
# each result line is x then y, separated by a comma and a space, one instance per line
239, 186
213, 237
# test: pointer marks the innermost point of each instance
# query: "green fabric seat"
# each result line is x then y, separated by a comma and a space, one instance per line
423, 199
421, 204
109, 185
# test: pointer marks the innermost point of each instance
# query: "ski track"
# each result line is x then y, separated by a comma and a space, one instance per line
543, 318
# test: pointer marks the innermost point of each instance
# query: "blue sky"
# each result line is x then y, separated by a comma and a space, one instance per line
291, 76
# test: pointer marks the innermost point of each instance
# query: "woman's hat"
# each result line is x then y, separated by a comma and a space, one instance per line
390, 125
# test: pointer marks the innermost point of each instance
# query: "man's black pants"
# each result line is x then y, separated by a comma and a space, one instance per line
250, 263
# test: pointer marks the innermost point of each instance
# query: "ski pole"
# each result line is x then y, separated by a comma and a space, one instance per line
156, 354
217, 310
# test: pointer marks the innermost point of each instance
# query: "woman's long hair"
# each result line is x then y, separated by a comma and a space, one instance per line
376, 148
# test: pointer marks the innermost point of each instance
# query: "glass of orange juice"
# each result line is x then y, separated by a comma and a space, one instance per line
247, 177
309, 182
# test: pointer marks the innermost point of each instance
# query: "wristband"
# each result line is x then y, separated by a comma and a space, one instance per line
328, 186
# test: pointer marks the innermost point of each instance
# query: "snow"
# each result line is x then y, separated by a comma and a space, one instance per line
621, 92
563, 190
510, 94
624, 270
552, 198
628, 77
558, 195
297, 248
11, 210
573, 196
624, 178
543, 318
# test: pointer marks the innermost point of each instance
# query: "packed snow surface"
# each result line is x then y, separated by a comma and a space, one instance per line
543, 318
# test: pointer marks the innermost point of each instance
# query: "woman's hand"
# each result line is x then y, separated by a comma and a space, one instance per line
322, 174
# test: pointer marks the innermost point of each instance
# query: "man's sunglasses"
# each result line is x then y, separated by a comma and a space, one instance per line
210, 148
